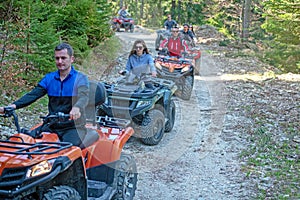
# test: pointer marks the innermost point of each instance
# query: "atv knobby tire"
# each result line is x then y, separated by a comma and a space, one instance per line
131, 28
153, 127
187, 88
125, 178
61, 192
170, 123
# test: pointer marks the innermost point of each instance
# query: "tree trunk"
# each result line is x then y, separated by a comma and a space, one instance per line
173, 8
179, 13
142, 10
246, 19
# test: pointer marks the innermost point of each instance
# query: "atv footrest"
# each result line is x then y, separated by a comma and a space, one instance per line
98, 190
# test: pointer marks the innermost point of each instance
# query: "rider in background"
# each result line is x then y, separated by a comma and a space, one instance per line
188, 35
140, 56
191, 28
169, 23
186, 31
123, 12
175, 44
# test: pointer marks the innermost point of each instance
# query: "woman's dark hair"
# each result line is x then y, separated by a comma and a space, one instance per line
140, 41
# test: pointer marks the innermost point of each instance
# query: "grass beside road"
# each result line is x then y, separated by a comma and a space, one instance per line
273, 155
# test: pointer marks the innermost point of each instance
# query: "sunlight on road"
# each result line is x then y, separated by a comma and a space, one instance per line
256, 77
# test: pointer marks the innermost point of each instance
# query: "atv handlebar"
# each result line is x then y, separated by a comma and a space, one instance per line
58, 117
47, 120
10, 112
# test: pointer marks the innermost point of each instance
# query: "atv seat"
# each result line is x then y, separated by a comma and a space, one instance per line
97, 96
90, 137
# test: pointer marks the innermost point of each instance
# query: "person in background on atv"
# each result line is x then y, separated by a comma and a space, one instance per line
188, 35
169, 23
139, 56
123, 12
68, 92
175, 44
191, 28
186, 31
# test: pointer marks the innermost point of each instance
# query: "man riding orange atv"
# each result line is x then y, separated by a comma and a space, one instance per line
177, 62
36, 165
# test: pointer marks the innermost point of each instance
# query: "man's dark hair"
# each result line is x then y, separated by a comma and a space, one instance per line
64, 45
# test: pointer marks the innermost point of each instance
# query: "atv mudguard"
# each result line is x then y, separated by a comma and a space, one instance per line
167, 99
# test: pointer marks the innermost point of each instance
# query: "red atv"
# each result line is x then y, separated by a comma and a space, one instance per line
121, 22
194, 54
179, 69
36, 165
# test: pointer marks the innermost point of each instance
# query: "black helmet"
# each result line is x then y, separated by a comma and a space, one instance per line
175, 26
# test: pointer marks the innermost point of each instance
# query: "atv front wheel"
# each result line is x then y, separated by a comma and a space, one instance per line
171, 118
125, 178
187, 88
61, 192
118, 27
153, 127
131, 28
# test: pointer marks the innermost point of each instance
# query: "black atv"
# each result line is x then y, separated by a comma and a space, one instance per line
147, 101
178, 69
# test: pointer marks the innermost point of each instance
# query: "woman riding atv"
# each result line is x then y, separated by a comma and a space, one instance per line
139, 56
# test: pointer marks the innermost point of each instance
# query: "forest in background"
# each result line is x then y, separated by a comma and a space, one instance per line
31, 29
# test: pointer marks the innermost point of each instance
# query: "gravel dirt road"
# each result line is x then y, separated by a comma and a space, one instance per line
197, 159
203, 157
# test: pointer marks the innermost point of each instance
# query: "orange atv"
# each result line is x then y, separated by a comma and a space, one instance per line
39, 166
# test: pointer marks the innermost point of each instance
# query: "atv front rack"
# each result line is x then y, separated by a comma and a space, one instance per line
127, 91
112, 122
168, 59
40, 148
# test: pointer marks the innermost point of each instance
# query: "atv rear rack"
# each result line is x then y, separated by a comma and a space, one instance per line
40, 148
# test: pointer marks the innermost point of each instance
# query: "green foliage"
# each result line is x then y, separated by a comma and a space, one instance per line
31, 30
282, 24
283, 20
145, 14
284, 57
280, 158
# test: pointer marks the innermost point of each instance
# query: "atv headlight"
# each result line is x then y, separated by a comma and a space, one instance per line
40, 168
143, 103
158, 66
185, 69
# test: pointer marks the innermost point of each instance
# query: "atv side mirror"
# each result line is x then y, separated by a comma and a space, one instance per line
164, 52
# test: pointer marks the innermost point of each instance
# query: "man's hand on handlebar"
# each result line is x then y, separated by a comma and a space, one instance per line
3, 108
